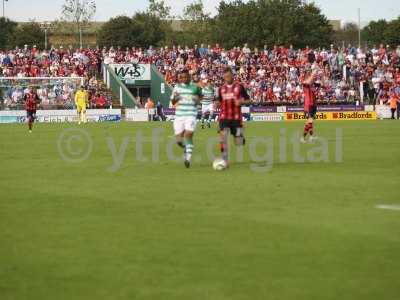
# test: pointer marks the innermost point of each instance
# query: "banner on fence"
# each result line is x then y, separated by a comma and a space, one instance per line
333, 116
60, 116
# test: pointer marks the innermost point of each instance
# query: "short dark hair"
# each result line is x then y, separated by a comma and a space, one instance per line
228, 70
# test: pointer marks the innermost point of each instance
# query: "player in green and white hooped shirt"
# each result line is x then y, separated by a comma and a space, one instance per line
186, 96
207, 103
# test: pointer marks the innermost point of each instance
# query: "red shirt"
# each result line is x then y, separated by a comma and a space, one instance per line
309, 96
31, 101
101, 101
228, 95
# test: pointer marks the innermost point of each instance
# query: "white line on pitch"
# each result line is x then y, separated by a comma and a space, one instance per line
388, 207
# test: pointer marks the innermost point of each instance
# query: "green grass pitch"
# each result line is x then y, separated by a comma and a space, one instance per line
154, 230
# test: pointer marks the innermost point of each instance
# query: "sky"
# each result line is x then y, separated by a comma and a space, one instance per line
345, 10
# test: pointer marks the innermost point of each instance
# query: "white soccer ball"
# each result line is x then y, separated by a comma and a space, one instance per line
219, 164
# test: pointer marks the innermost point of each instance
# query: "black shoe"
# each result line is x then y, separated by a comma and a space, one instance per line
187, 164
202, 126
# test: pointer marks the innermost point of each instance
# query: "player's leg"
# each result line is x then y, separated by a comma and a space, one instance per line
29, 118
311, 124
224, 132
203, 116
83, 112
78, 110
311, 129
308, 129
210, 115
190, 127
238, 133
305, 131
207, 119
179, 129
33, 119
188, 142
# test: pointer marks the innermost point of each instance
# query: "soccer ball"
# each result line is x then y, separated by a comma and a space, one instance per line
219, 164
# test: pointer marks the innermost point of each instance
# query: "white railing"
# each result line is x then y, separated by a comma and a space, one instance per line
82, 79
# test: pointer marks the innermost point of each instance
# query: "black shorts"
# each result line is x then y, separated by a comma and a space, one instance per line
235, 127
31, 115
312, 111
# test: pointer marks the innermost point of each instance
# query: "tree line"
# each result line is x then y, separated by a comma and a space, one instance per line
256, 22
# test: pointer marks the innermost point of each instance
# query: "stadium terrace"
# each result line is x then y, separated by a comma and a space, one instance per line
271, 76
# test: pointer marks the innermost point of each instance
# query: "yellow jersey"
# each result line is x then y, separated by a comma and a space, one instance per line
81, 98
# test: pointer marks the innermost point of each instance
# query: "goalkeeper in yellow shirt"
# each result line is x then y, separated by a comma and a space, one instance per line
81, 102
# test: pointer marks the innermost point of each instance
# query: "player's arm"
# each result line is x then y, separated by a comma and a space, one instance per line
37, 99
87, 99
199, 95
244, 97
76, 98
25, 101
217, 98
310, 80
175, 97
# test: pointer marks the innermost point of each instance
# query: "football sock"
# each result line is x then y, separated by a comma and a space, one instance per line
188, 149
311, 128
224, 151
306, 129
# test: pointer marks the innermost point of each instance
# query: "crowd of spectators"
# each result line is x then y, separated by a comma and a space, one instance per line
22, 63
56, 62
53, 93
274, 76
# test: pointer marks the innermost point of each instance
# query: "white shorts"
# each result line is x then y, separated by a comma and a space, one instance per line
182, 124
207, 108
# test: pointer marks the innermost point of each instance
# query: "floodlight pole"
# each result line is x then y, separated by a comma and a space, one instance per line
45, 38
80, 37
45, 26
359, 28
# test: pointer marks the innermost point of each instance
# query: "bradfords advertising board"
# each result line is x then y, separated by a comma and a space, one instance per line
333, 116
354, 115
301, 116
60, 116
132, 72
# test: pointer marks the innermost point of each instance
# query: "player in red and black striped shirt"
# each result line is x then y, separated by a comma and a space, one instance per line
231, 96
310, 105
31, 101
